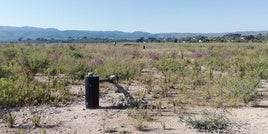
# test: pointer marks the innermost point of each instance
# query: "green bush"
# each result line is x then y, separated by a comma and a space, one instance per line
242, 89
169, 65
139, 114
209, 122
4, 73
77, 55
10, 53
122, 69
21, 94
78, 70
36, 120
9, 119
36, 64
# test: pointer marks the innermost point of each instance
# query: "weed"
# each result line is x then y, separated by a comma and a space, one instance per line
210, 73
4, 73
110, 130
175, 103
36, 120
139, 114
141, 94
159, 106
124, 132
139, 125
154, 56
77, 55
244, 90
9, 119
197, 54
206, 95
21, 131
163, 126
209, 122
96, 62
43, 131
103, 125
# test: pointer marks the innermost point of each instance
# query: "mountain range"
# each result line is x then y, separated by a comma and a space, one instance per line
10, 33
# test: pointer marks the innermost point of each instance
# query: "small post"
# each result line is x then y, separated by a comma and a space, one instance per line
92, 91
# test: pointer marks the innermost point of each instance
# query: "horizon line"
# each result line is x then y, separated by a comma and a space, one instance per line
130, 31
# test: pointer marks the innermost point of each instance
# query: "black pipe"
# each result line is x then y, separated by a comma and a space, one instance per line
105, 80
92, 91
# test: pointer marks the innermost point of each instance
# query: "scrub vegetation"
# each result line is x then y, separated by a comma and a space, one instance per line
200, 74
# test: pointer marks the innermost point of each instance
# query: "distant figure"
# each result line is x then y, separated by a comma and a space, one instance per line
144, 44
115, 43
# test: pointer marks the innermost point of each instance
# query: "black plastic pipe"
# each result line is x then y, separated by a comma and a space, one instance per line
92, 91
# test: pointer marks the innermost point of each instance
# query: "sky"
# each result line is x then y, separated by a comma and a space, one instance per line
155, 16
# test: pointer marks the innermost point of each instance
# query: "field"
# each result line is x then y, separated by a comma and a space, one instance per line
171, 88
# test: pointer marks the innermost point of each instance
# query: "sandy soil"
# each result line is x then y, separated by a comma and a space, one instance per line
75, 118
112, 117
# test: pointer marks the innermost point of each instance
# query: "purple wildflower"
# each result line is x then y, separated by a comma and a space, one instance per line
154, 56
96, 62
135, 54
197, 54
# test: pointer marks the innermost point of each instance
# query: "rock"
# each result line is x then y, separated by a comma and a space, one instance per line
75, 117
203, 68
112, 78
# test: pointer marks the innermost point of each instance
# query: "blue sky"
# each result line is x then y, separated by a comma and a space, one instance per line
138, 15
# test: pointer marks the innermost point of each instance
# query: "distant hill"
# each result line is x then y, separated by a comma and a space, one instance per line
9, 33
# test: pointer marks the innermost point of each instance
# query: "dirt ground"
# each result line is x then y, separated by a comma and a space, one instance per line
74, 118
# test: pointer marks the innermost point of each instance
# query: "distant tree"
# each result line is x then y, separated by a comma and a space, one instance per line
232, 36
218, 39
70, 38
141, 39
188, 39
260, 38
41, 40
176, 40
20, 39
249, 38
152, 39
202, 38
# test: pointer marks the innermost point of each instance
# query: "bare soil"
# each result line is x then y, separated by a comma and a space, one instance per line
111, 117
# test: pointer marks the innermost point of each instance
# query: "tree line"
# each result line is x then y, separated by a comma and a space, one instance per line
232, 37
